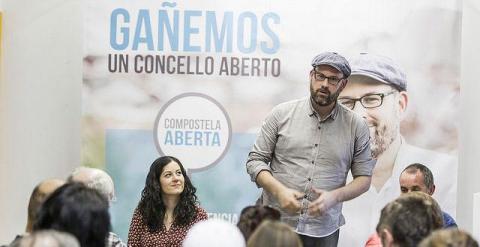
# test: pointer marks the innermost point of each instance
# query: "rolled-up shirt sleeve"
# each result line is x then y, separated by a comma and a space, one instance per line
363, 163
261, 155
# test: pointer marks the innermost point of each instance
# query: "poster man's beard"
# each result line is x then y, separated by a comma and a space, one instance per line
382, 139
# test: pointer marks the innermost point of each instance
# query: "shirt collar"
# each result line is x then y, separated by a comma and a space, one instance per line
333, 114
399, 164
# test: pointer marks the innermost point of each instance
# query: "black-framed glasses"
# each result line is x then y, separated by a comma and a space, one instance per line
372, 100
332, 80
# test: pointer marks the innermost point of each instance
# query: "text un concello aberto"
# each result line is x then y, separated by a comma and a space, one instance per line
194, 65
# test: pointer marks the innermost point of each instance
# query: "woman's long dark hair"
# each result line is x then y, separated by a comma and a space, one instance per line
151, 205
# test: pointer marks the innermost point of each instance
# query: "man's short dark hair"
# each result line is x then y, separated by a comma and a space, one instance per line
427, 174
410, 218
79, 210
252, 216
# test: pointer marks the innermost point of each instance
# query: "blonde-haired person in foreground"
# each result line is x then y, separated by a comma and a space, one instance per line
449, 238
274, 234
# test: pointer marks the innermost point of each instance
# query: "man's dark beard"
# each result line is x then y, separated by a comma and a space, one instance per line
325, 101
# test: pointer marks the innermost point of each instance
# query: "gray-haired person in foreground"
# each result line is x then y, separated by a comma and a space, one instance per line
304, 151
102, 182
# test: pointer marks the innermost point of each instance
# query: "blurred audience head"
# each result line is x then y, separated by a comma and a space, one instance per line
47, 238
38, 196
214, 233
252, 216
95, 179
450, 237
79, 210
409, 219
274, 234
417, 177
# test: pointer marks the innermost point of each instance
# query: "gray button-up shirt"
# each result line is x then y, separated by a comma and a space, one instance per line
302, 151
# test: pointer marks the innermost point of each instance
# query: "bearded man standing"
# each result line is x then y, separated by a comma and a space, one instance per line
305, 150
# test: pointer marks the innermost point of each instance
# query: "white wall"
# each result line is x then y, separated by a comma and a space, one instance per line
40, 101
469, 172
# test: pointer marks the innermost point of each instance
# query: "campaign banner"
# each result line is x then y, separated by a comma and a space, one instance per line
196, 79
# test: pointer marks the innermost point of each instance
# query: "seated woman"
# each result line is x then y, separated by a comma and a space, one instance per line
168, 207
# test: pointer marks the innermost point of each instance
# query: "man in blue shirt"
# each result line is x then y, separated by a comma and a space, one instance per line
417, 177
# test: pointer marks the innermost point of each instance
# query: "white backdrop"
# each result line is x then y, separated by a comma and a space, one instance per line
32, 150
121, 101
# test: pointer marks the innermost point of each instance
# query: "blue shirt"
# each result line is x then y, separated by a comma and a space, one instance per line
448, 221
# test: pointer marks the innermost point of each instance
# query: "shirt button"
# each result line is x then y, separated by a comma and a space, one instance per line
316, 145
319, 127
313, 162
309, 179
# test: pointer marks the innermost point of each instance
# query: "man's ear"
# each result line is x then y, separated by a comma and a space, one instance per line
343, 84
402, 101
386, 237
310, 75
432, 190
